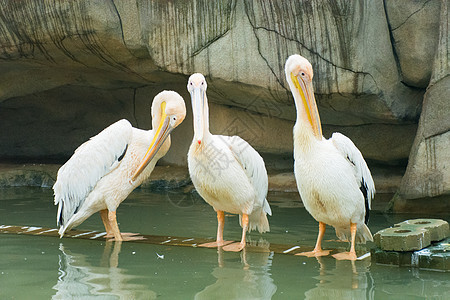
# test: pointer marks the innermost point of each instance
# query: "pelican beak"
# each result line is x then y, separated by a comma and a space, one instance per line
198, 103
309, 102
161, 134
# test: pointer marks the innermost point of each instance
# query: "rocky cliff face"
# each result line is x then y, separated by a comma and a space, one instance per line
428, 174
70, 68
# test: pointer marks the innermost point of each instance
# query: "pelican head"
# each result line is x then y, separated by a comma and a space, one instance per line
168, 111
197, 88
299, 75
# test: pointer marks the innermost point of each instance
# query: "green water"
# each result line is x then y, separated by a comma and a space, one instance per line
33, 267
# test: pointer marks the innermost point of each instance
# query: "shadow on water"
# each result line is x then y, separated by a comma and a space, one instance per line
34, 267
248, 279
79, 279
342, 280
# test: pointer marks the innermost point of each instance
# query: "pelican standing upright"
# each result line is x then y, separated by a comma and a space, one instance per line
332, 177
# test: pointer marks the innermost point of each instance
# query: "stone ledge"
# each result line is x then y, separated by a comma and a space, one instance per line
435, 257
409, 243
44, 175
425, 205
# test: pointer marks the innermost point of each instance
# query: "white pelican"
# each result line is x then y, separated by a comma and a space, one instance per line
332, 177
106, 169
226, 171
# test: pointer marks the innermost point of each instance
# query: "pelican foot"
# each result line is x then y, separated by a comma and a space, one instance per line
214, 244
234, 247
314, 253
128, 238
345, 256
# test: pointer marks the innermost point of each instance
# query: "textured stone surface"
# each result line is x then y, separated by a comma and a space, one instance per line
405, 238
439, 229
28, 175
435, 257
415, 31
428, 173
101, 57
283, 182
44, 175
411, 235
427, 177
70, 68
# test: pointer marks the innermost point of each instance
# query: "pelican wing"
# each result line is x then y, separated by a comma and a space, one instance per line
362, 172
90, 162
253, 165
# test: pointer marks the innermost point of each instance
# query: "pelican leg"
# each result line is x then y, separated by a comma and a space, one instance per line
109, 231
220, 225
118, 237
351, 255
114, 227
105, 220
318, 248
236, 247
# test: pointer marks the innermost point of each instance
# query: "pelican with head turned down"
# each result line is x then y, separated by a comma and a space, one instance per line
226, 171
332, 177
106, 169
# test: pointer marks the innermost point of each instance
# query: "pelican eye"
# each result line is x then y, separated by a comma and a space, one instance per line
303, 73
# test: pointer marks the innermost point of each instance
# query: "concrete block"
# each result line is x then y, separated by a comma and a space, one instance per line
412, 235
404, 238
439, 229
435, 257
395, 258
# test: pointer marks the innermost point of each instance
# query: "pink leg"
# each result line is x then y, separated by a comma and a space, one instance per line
219, 240
105, 220
318, 248
118, 237
236, 247
352, 254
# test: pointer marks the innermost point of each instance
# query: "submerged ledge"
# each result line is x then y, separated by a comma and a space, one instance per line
166, 240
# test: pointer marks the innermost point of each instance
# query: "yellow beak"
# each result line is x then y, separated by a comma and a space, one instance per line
309, 102
161, 134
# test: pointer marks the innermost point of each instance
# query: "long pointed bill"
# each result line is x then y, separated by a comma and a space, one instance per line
198, 103
161, 134
309, 102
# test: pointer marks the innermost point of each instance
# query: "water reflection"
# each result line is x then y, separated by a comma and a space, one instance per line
248, 279
78, 279
342, 280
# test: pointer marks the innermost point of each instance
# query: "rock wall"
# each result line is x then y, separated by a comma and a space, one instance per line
70, 68
428, 174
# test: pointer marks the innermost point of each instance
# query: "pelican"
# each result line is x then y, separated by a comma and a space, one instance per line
332, 177
106, 169
227, 172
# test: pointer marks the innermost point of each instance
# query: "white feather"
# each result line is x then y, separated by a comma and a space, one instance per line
226, 171
106, 169
254, 168
329, 177
362, 172
329, 173
91, 161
